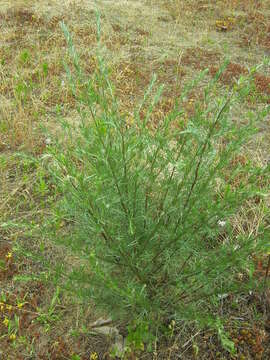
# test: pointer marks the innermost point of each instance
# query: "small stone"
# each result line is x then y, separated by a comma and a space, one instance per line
48, 141
222, 296
106, 330
101, 326
101, 322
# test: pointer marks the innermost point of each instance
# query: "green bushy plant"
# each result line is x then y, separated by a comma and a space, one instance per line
151, 207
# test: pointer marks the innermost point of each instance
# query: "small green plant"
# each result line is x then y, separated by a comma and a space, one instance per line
45, 69
151, 207
49, 317
138, 335
75, 357
25, 57
224, 338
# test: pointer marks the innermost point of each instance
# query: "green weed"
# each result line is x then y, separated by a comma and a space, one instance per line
153, 207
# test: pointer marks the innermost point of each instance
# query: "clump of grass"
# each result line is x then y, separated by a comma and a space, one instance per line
152, 207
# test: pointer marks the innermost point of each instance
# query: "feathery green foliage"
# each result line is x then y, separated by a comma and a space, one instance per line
152, 207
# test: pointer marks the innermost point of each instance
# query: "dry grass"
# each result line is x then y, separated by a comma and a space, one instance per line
173, 38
